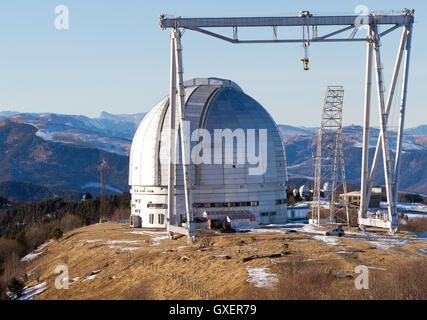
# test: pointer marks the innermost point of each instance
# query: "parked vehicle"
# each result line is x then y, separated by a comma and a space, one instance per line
335, 232
291, 231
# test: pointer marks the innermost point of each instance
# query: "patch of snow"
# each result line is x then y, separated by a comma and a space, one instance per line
90, 241
343, 275
287, 261
44, 245
62, 134
326, 239
261, 277
342, 250
380, 245
92, 275
125, 248
417, 207
376, 268
98, 185
185, 258
156, 236
30, 292
421, 235
122, 241
309, 228
412, 215
259, 230
31, 272
219, 255
30, 256
383, 244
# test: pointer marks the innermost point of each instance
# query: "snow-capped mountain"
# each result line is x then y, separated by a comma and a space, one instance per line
63, 151
108, 132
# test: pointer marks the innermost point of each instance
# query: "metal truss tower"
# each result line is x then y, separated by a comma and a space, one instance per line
329, 156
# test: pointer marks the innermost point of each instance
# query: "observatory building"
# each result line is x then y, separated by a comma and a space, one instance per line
216, 188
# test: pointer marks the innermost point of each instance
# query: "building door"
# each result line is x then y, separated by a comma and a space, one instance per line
136, 221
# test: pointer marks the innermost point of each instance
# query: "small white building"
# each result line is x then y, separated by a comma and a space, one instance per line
237, 219
244, 220
298, 213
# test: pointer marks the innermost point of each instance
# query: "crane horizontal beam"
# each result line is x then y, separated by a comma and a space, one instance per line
179, 22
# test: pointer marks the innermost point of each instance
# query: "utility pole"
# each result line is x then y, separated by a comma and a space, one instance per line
102, 169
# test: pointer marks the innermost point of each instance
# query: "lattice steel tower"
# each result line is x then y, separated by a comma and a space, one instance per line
329, 157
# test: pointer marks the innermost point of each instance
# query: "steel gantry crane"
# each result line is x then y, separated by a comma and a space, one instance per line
305, 20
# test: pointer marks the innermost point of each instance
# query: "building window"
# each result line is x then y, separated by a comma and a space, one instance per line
161, 218
151, 218
268, 214
156, 205
226, 204
281, 201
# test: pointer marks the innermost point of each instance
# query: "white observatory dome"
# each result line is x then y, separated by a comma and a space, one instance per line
210, 103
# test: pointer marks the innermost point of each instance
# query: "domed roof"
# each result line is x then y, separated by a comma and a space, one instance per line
210, 103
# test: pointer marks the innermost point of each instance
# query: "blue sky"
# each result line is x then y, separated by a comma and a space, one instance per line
115, 58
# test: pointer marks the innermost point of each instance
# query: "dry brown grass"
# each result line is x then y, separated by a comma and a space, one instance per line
404, 281
147, 273
297, 280
139, 292
414, 225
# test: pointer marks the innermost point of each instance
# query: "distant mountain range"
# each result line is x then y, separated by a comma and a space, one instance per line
25, 191
62, 152
111, 133
30, 157
420, 130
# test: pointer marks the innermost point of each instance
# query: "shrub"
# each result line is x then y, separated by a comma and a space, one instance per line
409, 197
56, 233
206, 242
10, 266
37, 235
121, 214
2, 290
69, 222
414, 225
341, 216
15, 286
